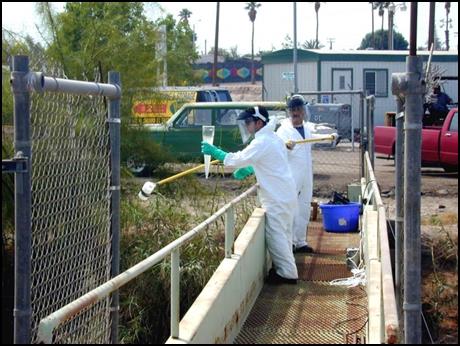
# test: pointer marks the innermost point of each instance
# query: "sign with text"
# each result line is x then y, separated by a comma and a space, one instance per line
287, 75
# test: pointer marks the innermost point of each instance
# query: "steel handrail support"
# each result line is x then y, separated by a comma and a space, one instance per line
390, 313
50, 323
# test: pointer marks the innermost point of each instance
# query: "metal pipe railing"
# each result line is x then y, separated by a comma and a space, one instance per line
412, 305
390, 313
49, 323
115, 143
36, 81
370, 100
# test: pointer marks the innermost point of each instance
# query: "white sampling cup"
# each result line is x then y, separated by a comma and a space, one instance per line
208, 136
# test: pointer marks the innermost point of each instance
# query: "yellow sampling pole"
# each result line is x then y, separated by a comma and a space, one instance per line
149, 186
313, 140
181, 174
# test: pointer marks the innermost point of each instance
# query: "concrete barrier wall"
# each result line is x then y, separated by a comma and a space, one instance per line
220, 310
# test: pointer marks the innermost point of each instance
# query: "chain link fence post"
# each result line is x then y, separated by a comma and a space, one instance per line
114, 128
22, 205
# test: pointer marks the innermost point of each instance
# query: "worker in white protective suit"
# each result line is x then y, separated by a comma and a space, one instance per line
266, 156
297, 128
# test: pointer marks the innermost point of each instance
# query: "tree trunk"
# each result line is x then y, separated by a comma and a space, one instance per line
373, 34
317, 30
382, 41
253, 77
216, 48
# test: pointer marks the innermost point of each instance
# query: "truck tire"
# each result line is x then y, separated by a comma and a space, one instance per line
138, 168
450, 169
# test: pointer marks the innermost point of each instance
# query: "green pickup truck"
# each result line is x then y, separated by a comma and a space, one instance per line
181, 135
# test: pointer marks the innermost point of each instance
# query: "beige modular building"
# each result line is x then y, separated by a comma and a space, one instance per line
327, 70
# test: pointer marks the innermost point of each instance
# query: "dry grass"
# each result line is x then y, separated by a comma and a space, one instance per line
440, 276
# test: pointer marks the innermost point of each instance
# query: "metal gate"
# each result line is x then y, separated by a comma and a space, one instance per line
67, 191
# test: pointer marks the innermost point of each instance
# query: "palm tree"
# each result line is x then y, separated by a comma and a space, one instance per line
373, 34
381, 6
251, 7
184, 15
317, 6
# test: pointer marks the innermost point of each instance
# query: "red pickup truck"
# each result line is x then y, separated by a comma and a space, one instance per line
439, 143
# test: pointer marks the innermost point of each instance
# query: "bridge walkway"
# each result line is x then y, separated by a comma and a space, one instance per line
313, 311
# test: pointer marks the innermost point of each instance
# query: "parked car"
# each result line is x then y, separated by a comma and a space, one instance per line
181, 135
439, 142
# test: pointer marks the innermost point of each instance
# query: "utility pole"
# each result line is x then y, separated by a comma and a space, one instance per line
412, 305
431, 25
447, 7
216, 47
296, 86
161, 54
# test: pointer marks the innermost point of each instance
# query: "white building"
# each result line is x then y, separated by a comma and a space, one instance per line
326, 70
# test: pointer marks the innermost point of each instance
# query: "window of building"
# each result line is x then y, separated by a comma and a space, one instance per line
376, 82
342, 83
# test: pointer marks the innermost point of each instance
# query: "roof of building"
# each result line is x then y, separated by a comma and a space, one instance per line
285, 55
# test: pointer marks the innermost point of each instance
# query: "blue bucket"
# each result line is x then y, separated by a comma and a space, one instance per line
340, 217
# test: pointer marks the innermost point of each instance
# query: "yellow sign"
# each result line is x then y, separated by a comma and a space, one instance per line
161, 105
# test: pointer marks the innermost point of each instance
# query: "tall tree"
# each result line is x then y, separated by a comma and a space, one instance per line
184, 15
317, 7
103, 36
373, 33
381, 6
251, 7
381, 41
181, 52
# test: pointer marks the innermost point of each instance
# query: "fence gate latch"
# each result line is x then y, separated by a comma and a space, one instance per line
16, 165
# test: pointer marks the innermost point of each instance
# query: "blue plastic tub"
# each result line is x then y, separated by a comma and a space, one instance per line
340, 217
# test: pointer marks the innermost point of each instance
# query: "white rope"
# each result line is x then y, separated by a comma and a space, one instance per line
358, 278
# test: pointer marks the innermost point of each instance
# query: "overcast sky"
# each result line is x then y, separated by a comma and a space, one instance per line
345, 23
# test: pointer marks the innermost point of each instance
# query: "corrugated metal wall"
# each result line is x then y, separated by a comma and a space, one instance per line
276, 88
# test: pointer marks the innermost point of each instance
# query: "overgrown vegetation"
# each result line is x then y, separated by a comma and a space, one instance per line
149, 226
440, 279
84, 42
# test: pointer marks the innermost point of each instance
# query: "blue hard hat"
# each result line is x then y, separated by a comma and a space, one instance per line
296, 101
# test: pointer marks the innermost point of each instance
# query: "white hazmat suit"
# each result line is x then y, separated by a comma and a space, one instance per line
301, 165
267, 155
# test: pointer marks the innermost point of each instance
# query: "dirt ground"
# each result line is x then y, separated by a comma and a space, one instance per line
438, 188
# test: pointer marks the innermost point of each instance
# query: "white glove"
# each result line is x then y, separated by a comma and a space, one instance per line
290, 145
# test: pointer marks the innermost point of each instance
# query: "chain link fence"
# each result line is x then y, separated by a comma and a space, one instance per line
67, 200
337, 166
71, 238
334, 168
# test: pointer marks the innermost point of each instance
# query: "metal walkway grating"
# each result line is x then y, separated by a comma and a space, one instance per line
311, 311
